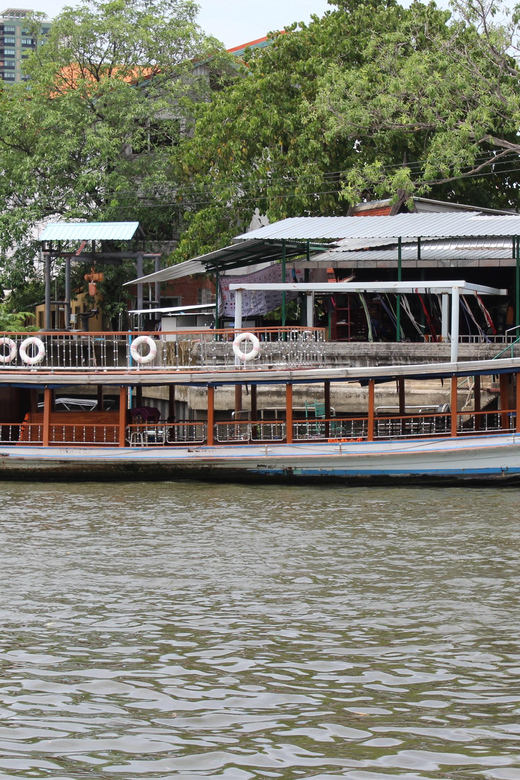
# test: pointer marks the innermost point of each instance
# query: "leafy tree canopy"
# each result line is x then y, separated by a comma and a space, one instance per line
90, 134
369, 99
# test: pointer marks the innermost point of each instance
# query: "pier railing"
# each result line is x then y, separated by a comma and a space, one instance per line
159, 351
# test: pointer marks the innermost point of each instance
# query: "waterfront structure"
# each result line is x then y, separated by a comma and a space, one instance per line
17, 42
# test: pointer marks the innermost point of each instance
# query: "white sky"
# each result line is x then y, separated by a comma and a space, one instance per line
233, 22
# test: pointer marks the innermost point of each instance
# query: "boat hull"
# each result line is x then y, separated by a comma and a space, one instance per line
462, 460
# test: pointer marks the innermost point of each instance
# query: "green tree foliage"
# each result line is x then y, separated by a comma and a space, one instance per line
90, 134
371, 99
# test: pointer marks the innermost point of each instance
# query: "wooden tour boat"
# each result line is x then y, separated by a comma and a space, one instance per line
76, 406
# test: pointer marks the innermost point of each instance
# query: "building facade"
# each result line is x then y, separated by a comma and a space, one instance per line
16, 42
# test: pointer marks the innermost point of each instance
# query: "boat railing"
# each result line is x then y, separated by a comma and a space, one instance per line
338, 429
161, 433
159, 350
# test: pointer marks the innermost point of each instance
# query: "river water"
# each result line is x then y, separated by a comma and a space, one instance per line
192, 631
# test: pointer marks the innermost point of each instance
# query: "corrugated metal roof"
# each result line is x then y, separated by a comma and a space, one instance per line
227, 258
90, 231
377, 229
448, 249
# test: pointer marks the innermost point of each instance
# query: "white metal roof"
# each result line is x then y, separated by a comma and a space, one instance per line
375, 230
199, 308
330, 288
89, 231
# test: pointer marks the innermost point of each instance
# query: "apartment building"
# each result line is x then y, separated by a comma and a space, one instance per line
16, 42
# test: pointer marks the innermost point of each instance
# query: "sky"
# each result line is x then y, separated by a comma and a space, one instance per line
233, 22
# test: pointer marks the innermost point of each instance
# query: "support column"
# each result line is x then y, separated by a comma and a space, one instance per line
157, 284
67, 293
123, 401
47, 258
371, 409
238, 400
284, 294
211, 415
289, 414
477, 402
453, 405
171, 403
138, 395
238, 309
139, 268
254, 402
454, 324
217, 290
517, 375
401, 390
504, 404
47, 406
516, 244
445, 316
310, 310
100, 398
326, 393
399, 278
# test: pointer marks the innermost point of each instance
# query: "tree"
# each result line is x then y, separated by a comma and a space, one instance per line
369, 99
90, 135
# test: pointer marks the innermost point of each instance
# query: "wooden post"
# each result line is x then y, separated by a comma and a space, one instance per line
517, 401
238, 401
402, 396
327, 408
123, 401
47, 406
100, 398
254, 402
477, 402
171, 403
138, 396
504, 405
211, 415
288, 414
371, 409
453, 404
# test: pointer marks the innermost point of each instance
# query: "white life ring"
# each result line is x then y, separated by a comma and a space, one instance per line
252, 352
12, 350
137, 356
32, 360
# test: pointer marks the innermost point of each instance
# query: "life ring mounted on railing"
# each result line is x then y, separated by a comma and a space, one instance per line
253, 352
9, 356
137, 355
32, 360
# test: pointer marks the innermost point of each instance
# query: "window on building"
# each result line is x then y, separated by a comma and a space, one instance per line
9, 29
27, 41
9, 40
9, 65
172, 300
9, 53
8, 76
46, 30
204, 296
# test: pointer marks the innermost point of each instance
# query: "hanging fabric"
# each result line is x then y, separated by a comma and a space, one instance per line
367, 315
487, 315
428, 318
480, 331
406, 306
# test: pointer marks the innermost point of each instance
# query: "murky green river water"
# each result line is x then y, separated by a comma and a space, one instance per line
194, 631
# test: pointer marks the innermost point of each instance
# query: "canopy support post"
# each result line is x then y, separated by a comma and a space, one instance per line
47, 405
399, 278
453, 405
289, 414
123, 401
445, 316
454, 324
371, 410
211, 416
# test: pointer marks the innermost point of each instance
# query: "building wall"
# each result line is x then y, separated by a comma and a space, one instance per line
15, 43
